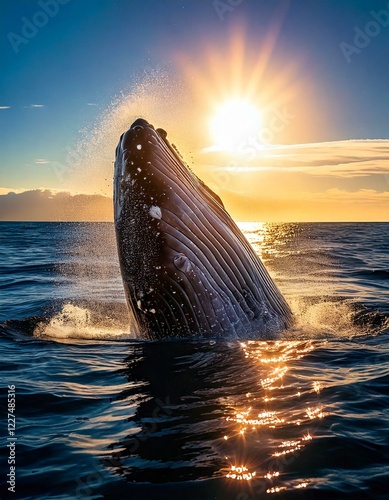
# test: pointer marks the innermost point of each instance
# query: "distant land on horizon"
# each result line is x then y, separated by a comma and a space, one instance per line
44, 205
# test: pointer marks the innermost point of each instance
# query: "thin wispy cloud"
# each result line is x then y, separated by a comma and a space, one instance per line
41, 161
348, 159
299, 205
5, 107
362, 196
91, 104
345, 197
33, 106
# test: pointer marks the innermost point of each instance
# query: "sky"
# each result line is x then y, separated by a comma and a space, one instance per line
76, 73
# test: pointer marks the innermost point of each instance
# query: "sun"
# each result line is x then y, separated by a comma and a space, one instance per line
239, 90
234, 124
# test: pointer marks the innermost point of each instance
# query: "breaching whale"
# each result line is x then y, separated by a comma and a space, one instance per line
187, 269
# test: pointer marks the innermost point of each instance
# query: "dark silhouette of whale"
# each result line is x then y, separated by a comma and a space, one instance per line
187, 269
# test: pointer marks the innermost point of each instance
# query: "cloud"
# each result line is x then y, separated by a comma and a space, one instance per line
4, 190
5, 107
33, 106
362, 196
348, 159
47, 205
41, 161
91, 104
330, 205
302, 206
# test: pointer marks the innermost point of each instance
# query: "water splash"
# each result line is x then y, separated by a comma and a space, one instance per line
324, 318
156, 96
75, 322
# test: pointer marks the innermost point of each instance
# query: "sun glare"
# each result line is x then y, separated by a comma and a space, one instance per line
235, 123
241, 91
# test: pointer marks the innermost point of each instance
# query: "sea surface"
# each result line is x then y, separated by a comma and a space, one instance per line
100, 415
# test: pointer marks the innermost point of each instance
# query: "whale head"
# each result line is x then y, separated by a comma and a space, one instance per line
187, 269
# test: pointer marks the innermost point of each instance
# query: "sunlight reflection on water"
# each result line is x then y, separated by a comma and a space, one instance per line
282, 405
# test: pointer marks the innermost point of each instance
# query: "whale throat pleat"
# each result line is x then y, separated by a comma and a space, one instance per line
235, 252
187, 268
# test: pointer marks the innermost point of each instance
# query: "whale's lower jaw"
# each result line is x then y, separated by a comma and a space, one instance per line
187, 269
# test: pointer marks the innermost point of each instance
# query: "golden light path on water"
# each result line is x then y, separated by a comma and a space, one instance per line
281, 404
255, 232
307, 286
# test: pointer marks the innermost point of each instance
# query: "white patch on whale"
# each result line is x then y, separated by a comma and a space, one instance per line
155, 212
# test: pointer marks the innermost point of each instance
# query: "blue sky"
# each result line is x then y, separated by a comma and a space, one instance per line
66, 76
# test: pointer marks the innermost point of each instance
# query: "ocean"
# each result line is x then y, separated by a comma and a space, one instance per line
88, 412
